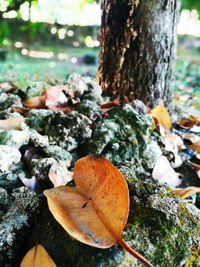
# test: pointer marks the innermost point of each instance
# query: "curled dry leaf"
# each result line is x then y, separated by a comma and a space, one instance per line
54, 96
162, 115
164, 173
59, 174
186, 192
13, 123
96, 210
19, 110
35, 102
195, 146
186, 124
172, 141
37, 257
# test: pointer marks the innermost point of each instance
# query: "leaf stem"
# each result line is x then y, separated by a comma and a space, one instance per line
133, 252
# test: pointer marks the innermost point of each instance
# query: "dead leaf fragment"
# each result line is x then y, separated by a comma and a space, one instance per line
194, 118
96, 210
195, 146
59, 174
114, 103
37, 257
35, 102
164, 173
186, 124
186, 192
13, 123
162, 115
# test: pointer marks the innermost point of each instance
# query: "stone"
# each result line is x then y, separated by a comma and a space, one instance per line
16, 222
67, 130
14, 138
160, 226
58, 153
36, 89
125, 138
8, 156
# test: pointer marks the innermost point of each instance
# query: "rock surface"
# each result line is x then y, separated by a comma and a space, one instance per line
161, 227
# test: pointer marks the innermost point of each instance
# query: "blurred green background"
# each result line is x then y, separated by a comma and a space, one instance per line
48, 39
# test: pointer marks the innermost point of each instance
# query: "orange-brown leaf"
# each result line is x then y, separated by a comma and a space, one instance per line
186, 192
37, 257
13, 123
96, 210
162, 115
194, 118
186, 124
35, 102
195, 146
114, 103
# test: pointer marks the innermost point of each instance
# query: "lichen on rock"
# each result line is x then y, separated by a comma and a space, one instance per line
14, 224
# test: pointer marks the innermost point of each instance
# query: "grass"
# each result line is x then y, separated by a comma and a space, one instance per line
22, 69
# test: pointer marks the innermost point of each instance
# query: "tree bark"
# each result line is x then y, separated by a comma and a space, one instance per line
138, 45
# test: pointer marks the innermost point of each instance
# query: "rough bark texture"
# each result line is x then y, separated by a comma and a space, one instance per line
138, 44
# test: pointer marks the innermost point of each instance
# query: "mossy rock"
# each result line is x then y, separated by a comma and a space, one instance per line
160, 226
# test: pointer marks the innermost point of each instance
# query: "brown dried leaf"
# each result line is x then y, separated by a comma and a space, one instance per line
186, 124
195, 146
13, 123
37, 257
114, 103
19, 110
96, 210
186, 192
35, 102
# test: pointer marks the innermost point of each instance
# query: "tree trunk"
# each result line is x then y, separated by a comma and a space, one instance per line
138, 45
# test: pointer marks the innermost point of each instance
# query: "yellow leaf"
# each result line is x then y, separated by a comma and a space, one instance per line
37, 257
96, 210
186, 192
162, 115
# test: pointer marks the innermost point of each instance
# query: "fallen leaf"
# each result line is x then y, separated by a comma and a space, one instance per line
186, 124
164, 173
59, 174
194, 118
13, 123
195, 146
162, 115
96, 210
19, 110
195, 166
114, 103
54, 96
172, 140
37, 257
186, 192
35, 102
191, 137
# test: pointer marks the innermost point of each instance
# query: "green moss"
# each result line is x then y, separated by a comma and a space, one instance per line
194, 260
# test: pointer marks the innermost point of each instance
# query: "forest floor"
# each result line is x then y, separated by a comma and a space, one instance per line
44, 133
